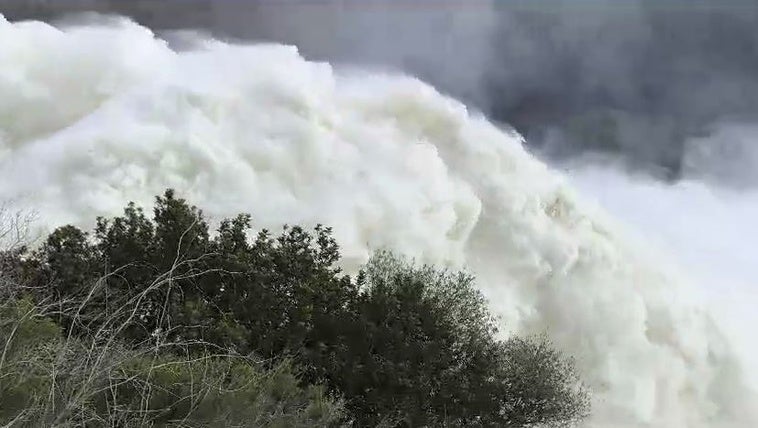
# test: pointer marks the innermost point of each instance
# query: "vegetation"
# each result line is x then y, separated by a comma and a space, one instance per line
158, 321
50, 381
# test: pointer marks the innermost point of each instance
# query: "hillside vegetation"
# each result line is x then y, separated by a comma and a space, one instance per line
159, 321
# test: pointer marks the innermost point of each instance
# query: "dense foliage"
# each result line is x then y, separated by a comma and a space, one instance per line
49, 380
249, 314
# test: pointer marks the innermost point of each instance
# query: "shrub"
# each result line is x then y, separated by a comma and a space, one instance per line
424, 352
46, 380
404, 345
28, 350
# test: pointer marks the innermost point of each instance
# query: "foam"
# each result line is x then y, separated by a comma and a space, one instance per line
93, 116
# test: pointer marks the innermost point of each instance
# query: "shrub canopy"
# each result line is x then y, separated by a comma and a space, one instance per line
404, 345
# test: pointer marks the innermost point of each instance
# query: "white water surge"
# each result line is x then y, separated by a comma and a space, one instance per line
94, 116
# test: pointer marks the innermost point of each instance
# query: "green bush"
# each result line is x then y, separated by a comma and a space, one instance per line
403, 345
29, 345
169, 276
424, 352
214, 391
46, 380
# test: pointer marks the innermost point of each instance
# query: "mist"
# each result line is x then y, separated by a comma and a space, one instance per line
649, 109
635, 80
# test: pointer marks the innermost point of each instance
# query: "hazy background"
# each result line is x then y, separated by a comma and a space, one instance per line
652, 81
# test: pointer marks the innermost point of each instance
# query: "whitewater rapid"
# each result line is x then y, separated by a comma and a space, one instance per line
94, 116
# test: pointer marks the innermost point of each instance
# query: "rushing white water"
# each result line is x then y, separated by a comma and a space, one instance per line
705, 227
93, 116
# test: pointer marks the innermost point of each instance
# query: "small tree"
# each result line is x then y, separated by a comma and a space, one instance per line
424, 352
